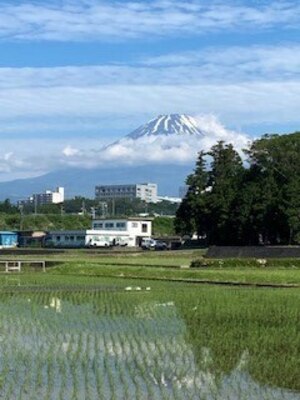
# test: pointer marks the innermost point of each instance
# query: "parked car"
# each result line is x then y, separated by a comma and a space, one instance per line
97, 241
148, 244
160, 245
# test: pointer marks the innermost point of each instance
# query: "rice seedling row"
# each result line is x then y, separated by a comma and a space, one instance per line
165, 343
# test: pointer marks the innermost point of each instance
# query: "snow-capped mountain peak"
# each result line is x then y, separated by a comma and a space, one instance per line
172, 124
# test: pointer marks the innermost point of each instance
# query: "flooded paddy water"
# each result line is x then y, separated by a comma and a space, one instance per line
115, 339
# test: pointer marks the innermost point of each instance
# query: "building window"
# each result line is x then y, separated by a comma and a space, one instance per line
109, 225
135, 225
144, 228
58, 238
98, 225
121, 225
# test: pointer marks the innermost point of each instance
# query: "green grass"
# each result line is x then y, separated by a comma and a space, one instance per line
244, 275
166, 266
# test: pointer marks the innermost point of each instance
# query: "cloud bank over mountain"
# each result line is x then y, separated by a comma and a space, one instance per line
171, 139
178, 146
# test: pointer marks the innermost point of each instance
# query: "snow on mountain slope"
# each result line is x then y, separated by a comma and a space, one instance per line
173, 124
171, 138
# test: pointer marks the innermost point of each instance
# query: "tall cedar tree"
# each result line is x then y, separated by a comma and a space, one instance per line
257, 204
226, 171
191, 216
277, 162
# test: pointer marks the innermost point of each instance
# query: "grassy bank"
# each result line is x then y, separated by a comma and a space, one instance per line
243, 275
168, 266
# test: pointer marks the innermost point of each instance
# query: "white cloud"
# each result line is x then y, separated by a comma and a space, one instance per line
215, 64
234, 63
70, 151
10, 163
151, 149
174, 148
240, 102
102, 20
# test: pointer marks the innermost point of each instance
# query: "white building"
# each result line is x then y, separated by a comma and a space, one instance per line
49, 197
124, 232
144, 191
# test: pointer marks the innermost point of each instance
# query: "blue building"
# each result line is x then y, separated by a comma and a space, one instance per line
8, 239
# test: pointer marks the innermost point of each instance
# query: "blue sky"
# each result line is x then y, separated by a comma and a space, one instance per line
79, 74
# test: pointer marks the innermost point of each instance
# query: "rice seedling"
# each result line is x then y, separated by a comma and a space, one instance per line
94, 339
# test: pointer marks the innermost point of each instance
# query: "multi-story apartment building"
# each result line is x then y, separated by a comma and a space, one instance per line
143, 191
49, 197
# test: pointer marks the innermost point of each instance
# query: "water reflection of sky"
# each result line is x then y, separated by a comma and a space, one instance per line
140, 354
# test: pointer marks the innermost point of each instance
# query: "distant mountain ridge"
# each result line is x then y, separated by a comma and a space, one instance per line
79, 181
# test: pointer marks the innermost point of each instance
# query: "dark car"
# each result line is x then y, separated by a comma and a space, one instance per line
159, 245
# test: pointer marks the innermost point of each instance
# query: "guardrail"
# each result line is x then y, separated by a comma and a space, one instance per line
12, 265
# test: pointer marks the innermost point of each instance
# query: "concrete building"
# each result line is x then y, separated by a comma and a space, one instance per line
144, 191
105, 232
128, 231
49, 197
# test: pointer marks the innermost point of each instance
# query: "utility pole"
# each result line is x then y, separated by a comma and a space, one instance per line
103, 207
83, 209
21, 209
113, 207
35, 205
93, 212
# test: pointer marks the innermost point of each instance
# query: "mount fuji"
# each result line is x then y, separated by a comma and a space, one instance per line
162, 151
173, 124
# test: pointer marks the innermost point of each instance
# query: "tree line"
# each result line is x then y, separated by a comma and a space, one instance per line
85, 206
249, 201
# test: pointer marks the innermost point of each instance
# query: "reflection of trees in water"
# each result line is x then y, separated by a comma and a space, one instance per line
252, 330
256, 331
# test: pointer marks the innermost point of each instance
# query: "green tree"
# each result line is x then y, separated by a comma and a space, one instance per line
225, 177
191, 215
234, 204
277, 160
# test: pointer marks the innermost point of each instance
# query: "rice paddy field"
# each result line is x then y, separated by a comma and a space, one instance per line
88, 336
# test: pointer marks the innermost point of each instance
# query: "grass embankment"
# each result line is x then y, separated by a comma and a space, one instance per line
226, 276
44, 222
167, 266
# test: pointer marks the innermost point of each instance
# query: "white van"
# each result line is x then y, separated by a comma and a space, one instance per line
98, 241
148, 243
